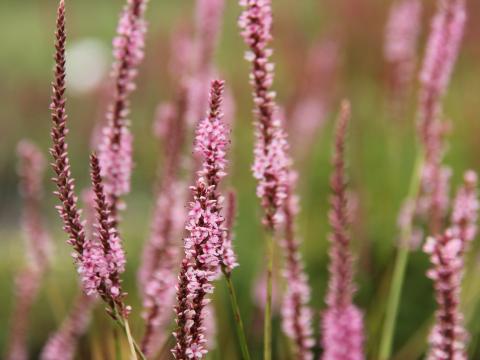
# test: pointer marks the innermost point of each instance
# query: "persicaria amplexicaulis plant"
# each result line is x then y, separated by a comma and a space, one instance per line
193, 237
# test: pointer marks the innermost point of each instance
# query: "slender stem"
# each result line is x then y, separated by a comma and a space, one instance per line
118, 351
242, 339
130, 340
399, 269
134, 348
267, 325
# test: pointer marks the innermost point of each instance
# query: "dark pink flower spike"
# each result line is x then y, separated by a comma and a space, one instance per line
440, 57
115, 150
205, 233
271, 160
296, 315
112, 265
68, 209
342, 322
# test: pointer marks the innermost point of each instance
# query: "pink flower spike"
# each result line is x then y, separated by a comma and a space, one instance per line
400, 50
342, 320
271, 163
440, 57
296, 315
205, 232
63, 343
115, 149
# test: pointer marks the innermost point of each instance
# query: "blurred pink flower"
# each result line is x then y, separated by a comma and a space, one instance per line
342, 323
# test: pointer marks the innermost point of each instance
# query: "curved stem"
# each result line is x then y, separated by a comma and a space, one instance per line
399, 269
267, 325
242, 339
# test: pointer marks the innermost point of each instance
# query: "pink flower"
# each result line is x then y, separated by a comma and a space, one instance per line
400, 50
342, 320
448, 336
441, 54
63, 343
205, 233
342, 337
271, 163
115, 150
296, 315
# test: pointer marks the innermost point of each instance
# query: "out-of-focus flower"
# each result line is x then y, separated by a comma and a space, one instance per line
342, 322
63, 343
400, 49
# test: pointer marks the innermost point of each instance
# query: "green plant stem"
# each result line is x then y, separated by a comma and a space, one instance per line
267, 325
134, 348
399, 269
236, 314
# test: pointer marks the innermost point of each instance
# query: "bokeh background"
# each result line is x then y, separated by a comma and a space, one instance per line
381, 153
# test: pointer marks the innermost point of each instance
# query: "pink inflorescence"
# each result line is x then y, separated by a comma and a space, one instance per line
63, 343
115, 149
296, 315
271, 160
441, 54
401, 39
448, 337
342, 324
203, 244
104, 257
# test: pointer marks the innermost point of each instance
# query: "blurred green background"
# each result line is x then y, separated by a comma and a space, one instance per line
381, 153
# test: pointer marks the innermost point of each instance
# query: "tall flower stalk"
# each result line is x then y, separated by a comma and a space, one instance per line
448, 337
429, 182
342, 322
100, 260
205, 233
271, 164
30, 170
115, 149
296, 315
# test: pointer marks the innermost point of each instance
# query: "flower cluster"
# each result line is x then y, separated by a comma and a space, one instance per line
400, 51
63, 343
441, 54
104, 257
448, 337
271, 150
203, 244
68, 209
342, 320
115, 149
296, 315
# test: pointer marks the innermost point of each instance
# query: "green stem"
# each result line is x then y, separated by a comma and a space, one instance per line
399, 269
118, 350
134, 348
267, 325
238, 318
